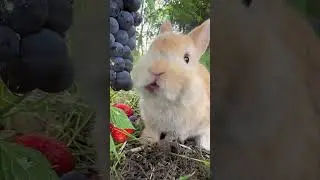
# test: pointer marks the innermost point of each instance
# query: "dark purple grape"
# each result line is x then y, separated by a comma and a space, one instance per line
125, 20
137, 18
60, 17
120, 4
114, 8
114, 26
9, 44
112, 39
122, 36
131, 32
123, 81
132, 5
132, 43
28, 16
118, 64
130, 57
133, 118
116, 49
128, 65
126, 51
45, 56
16, 77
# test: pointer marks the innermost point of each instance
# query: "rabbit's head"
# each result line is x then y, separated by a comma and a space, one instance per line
171, 65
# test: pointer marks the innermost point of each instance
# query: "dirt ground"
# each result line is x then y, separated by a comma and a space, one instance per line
160, 161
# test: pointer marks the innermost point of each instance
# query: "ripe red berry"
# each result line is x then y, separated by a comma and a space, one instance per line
126, 108
118, 134
56, 152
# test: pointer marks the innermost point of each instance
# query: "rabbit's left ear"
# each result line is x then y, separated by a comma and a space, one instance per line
201, 36
166, 27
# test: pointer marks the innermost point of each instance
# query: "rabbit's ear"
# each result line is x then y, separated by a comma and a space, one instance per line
201, 36
165, 27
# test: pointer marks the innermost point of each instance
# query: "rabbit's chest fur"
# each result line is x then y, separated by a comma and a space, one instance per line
181, 120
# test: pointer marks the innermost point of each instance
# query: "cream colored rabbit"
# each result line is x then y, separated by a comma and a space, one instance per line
174, 87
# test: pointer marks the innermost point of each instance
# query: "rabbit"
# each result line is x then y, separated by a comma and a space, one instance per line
174, 87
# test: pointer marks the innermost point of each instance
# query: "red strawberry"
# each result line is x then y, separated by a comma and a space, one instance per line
126, 108
118, 134
57, 153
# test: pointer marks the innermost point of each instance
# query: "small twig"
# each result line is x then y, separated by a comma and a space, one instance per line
135, 150
184, 146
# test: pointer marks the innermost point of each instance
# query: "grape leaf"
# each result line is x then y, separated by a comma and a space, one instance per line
119, 119
19, 162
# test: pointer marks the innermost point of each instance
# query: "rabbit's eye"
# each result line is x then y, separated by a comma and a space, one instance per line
186, 58
247, 3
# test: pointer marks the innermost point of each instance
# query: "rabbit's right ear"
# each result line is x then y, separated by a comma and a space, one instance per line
201, 36
166, 27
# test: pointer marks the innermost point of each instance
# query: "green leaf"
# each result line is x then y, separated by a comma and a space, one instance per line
113, 147
22, 163
119, 119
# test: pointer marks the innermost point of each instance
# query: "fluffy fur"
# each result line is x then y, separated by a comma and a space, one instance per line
181, 104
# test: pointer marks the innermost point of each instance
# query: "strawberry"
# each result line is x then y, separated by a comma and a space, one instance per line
118, 134
57, 153
126, 108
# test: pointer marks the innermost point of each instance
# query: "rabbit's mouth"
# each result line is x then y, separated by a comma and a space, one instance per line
152, 87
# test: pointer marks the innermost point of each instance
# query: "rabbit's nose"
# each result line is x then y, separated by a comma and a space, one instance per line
157, 74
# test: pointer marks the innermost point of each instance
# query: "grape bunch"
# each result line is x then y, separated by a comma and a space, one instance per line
33, 49
124, 17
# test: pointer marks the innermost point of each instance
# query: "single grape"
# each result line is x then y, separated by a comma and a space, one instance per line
118, 64
120, 4
123, 81
125, 20
116, 49
114, 8
9, 44
126, 51
122, 36
112, 39
128, 65
28, 16
132, 5
114, 26
45, 55
60, 17
131, 31
133, 118
130, 57
132, 43
137, 18
45, 43
16, 76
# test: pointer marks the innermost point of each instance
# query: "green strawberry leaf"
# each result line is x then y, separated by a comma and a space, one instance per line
119, 119
19, 162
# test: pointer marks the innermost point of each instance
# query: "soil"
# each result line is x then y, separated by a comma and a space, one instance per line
160, 162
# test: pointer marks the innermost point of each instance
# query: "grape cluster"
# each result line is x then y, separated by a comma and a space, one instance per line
33, 50
123, 20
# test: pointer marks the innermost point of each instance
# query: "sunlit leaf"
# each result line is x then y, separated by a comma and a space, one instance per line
119, 119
